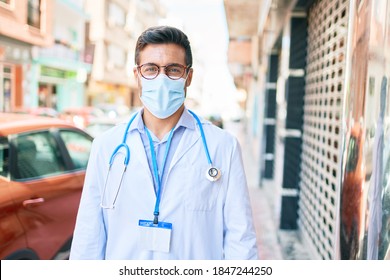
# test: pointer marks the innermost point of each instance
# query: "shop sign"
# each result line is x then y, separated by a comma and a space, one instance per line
57, 73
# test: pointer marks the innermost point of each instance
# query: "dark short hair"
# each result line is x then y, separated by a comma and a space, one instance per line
163, 35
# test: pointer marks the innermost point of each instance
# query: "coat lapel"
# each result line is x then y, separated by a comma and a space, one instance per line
189, 138
137, 150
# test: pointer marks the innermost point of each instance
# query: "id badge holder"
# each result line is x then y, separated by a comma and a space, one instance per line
155, 237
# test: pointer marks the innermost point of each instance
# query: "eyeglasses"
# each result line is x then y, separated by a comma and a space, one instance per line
174, 71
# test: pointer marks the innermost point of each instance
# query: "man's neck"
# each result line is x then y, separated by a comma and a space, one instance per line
160, 127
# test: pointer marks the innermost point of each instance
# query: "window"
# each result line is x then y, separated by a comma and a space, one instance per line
37, 155
352, 155
34, 13
116, 15
4, 158
79, 147
7, 89
116, 56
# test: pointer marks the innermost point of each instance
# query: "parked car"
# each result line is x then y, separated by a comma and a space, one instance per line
100, 125
216, 119
353, 195
81, 116
42, 170
38, 111
113, 115
115, 111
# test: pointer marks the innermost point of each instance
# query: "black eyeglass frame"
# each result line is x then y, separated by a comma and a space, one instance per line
186, 68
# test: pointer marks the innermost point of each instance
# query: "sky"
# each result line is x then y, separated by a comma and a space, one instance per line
205, 24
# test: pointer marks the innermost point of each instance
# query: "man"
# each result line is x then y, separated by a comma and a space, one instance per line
175, 187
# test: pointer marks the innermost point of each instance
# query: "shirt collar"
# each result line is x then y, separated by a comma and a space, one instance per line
186, 120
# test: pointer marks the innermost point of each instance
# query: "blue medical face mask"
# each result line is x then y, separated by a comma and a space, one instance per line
162, 96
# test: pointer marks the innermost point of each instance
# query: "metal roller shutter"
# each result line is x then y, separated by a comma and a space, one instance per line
322, 137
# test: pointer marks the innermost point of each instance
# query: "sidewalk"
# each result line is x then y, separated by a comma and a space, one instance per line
273, 243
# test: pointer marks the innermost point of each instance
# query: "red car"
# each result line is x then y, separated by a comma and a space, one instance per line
353, 196
42, 169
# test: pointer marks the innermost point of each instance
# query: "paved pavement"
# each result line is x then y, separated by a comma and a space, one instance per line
273, 243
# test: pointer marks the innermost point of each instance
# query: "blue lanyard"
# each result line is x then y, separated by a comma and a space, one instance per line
156, 177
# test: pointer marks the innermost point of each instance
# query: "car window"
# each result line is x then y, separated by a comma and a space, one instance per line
352, 155
37, 155
4, 159
79, 147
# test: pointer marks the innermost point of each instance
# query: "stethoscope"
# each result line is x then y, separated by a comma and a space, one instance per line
212, 173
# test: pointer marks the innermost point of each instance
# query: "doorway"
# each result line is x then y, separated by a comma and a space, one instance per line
47, 95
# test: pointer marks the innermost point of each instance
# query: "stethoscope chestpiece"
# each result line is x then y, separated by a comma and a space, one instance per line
213, 174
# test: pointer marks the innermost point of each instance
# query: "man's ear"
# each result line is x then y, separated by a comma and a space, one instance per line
189, 77
137, 78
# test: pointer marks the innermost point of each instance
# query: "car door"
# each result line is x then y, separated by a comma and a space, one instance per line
47, 190
12, 235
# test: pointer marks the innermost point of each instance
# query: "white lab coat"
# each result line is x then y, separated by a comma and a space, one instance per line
210, 220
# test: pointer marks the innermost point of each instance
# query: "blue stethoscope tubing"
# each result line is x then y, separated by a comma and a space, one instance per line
206, 149
213, 174
126, 162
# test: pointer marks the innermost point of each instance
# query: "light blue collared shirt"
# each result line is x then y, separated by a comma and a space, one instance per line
186, 121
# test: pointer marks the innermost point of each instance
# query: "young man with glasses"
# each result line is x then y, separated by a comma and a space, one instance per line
175, 187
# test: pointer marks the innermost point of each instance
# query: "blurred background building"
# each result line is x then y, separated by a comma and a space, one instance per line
311, 76
23, 25
58, 72
113, 29
70, 53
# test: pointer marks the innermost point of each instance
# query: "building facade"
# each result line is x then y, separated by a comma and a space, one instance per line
59, 72
23, 24
114, 28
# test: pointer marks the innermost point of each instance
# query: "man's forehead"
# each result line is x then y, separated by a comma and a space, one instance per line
163, 46
163, 52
